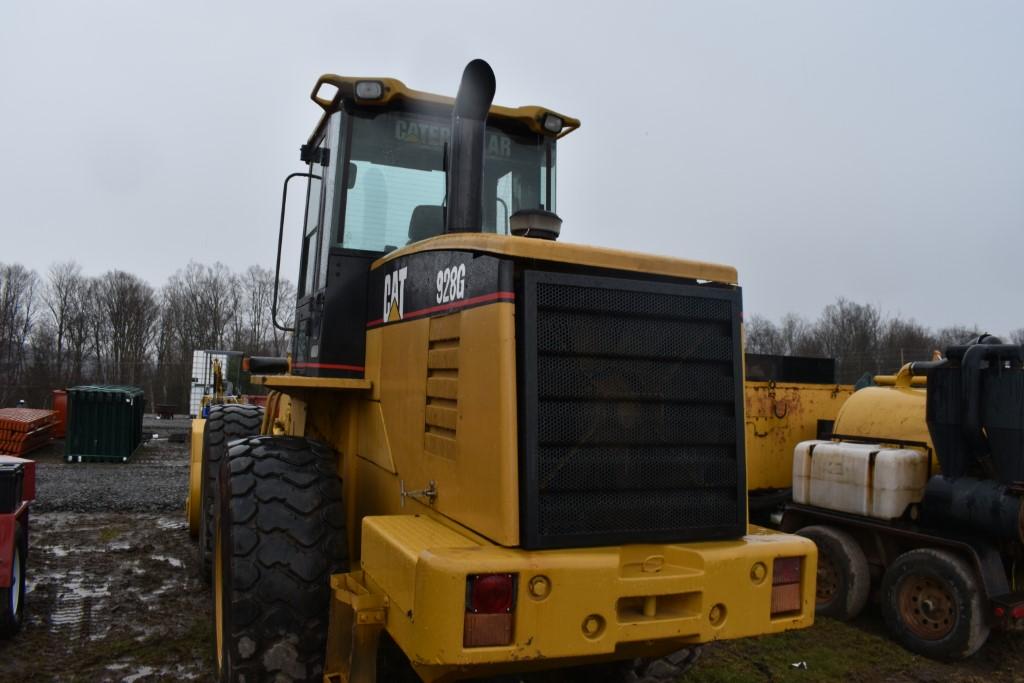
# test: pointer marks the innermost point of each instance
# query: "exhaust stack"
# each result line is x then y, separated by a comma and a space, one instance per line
466, 158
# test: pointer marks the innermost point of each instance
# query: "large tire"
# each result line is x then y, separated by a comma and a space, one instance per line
932, 604
224, 424
12, 599
844, 579
280, 536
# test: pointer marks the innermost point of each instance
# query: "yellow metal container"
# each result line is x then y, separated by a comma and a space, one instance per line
779, 415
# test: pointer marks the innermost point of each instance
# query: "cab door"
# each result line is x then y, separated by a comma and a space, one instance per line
310, 300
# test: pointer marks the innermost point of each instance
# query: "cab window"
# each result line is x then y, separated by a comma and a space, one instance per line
399, 191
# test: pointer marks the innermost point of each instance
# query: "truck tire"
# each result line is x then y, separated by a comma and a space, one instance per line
844, 580
225, 424
280, 536
12, 599
932, 604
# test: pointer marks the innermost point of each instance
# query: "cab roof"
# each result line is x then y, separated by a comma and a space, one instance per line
393, 90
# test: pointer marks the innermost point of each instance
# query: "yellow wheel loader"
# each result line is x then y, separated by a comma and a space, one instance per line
489, 451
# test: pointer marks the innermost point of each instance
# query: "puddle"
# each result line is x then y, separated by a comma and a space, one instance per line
173, 561
97, 577
141, 673
170, 523
78, 599
167, 586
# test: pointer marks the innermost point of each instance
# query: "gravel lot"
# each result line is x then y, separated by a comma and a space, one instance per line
155, 479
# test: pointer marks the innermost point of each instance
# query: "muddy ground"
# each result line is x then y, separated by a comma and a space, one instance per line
113, 594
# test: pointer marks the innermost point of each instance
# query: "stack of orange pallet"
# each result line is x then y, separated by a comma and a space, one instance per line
25, 429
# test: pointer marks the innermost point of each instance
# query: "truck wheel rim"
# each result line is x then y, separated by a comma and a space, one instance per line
926, 607
16, 583
828, 580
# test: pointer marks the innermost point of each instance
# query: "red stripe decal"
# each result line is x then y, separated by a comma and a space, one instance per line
482, 299
330, 366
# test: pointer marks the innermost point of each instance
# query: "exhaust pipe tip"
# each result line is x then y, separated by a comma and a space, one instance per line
476, 91
464, 210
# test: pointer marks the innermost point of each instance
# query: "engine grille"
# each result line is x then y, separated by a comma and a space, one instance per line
631, 407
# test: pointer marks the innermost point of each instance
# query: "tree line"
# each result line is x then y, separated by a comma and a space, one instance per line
859, 337
65, 328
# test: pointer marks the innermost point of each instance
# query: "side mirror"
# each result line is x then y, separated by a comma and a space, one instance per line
352, 168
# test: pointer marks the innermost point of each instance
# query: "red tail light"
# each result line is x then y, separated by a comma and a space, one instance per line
490, 593
490, 602
786, 572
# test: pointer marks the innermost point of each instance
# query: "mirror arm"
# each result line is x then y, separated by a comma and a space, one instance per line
280, 242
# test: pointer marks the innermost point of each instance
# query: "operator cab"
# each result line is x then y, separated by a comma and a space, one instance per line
377, 181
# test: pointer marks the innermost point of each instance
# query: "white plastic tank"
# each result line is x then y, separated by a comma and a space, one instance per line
863, 479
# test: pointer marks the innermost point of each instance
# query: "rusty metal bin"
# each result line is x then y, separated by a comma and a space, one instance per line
104, 423
60, 406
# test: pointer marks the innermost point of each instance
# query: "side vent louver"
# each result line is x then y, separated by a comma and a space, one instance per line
442, 409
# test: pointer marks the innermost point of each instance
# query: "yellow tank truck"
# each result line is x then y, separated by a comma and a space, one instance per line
490, 451
916, 495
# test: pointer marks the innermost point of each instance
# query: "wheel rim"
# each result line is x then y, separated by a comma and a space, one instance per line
827, 579
16, 582
927, 607
218, 610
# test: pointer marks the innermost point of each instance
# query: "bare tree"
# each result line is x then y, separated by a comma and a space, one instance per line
77, 333
954, 335
62, 298
850, 333
763, 336
280, 341
17, 315
1017, 336
128, 315
904, 340
202, 302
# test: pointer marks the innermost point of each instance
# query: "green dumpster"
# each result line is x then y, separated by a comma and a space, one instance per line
104, 423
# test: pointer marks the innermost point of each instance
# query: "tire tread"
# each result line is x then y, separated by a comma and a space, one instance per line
225, 423
285, 542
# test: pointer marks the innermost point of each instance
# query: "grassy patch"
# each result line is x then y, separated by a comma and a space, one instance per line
833, 651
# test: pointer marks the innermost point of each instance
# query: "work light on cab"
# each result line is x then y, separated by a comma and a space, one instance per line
553, 123
369, 90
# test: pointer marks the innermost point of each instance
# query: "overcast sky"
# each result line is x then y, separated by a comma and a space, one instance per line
872, 150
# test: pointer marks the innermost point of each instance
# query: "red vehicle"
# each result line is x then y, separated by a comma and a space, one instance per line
17, 491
